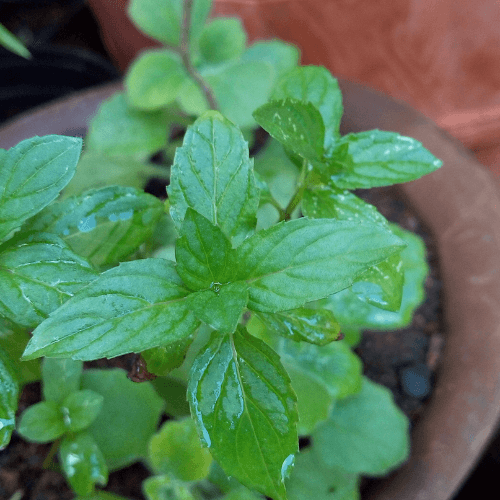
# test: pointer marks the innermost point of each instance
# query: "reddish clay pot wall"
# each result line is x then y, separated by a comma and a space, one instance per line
461, 205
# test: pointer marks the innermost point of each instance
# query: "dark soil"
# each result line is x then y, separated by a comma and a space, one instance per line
387, 357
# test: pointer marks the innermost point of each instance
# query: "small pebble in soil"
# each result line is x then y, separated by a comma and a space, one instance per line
416, 380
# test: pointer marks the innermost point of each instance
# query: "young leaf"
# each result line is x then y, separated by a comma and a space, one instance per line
80, 409
353, 312
316, 326
222, 39
176, 450
203, 253
191, 98
297, 125
119, 130
61, 377
282, 56
311, 478
365, 433
328, 202
155, 79
32, 175
12, 43
213, 174
161, 21
316, 85
165, 487
104, 225
128, 418
42, 423
130, 308
245, 410
302, 260
379, 158
220, 307
320, 376
38, 273
240, 87
162, 360
83, 463
9, 393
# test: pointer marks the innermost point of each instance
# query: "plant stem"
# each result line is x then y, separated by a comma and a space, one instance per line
299, 193
47, 463
186, 59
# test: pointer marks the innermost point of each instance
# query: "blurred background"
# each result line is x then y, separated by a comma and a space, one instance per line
442, 58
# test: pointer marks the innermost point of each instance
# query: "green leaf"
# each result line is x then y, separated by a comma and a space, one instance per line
311, 478
316, 326
130, 308
282, 56
191, 98
154, 79
320, 376
162, 360
365, 434
242, 493
199, 14
351, 311
165, 487
222, 39
173, 392
328, 202
382, 284
128, 418
302, 260
80, 409
240, 87
297, 125
32, 175
9, 394
101, 495
120, 130
12, 43
245, 410
220, 307
83, 463
213, 174
38, 273
176, 450
61, 377
161, 21
379, 158
104, 226
42, 423
316, 85
203, 253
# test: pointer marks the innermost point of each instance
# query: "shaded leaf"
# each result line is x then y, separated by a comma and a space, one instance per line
222, 39
315, 84
32, 175
9, 394
120, 130
213, 175
302, 260
165, 487
163, 359
128, 418
104, 225
38, 273
83, 463
130, 308
42, 422
176, 450
154, 79
316, 326
365, 433
245, 410
379, 158
61, 377
282, 56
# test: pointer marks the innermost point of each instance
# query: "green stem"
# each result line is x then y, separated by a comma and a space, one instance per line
47, 463
186, 59
299, 193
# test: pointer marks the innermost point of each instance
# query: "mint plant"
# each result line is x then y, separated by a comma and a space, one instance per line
234, 291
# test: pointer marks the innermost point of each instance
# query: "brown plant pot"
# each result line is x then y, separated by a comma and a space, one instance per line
461, 205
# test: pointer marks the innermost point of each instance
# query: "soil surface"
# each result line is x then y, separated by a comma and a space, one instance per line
389, 358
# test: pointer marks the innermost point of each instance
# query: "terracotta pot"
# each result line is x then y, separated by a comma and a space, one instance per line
461, 206
440, 57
